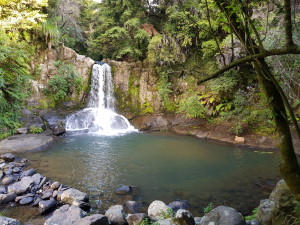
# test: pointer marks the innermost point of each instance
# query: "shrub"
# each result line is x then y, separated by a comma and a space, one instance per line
35, 130
192, 107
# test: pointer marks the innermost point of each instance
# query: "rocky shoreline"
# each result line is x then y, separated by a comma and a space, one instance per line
63, 205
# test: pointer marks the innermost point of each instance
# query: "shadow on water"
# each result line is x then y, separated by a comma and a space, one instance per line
163, 167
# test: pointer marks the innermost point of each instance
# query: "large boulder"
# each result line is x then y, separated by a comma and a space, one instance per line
116, 215
95, 219
73, 196
6, 198
47, 206
223, 215
8, 221
65, 215
157, 210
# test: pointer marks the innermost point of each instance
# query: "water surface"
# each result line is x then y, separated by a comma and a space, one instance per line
164, 167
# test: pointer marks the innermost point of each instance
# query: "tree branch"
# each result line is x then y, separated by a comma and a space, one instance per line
288, 24
250, 58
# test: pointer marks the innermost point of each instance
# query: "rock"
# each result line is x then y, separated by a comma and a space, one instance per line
16, 170
47, 206
83, 205
71, 195
8, 221
253, 222
25, 201
136, 219
29, 172
8, 180
133, 206
184, 217
6, 198
22, 130
239, 140
36, 201
37, 178
8, 157
21, 186
55, 185
47, 194
1, 174
223, 215
157, 210
58, 131
44, 180
166, 222
179, 204
55, 193
2, 190
116, 215
8, 171
25, 142
95, 219
197, 220
124, 190
65, 215
264, 213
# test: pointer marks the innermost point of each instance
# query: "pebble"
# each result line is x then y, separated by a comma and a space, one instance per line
26, 200
8, 180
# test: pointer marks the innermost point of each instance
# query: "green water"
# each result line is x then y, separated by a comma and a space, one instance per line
163, 167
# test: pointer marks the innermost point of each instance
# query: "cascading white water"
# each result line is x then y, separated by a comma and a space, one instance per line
99, 117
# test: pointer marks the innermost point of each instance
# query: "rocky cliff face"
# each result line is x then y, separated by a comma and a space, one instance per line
44, 67
135, 87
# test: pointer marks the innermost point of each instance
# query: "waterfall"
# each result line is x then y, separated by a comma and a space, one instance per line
99, 116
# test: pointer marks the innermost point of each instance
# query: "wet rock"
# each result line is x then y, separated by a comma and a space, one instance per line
8, 171
136, 219
37, 178
179, 204
71, 195
22, 130
65, 215
116, 215
6, 198
133, 206
223, 215
2, 190
47, 194
44, 180
95, 219
29, 172
22, 186
8, 180
157, 209
184, 217
58, 131
123, 190
37, 201
16, 170
55, 185
265, 210
8, 157
8, 221
24, 196
47, 206
26, 200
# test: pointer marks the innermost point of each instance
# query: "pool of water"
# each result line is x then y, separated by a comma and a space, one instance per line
164, 167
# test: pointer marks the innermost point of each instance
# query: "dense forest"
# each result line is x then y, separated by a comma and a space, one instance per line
237, 57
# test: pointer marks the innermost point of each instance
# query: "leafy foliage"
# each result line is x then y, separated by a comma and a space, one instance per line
61, 84
192, 107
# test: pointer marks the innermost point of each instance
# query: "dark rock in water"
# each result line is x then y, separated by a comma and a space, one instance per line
269, 185
223, 215
8, 180
179, 204
29, 172
58, 131
133, 206
95, 219
65, 215
83, 205
37, 201
21, 186
47, 206
3, 190
185, 217
124, 190
8, 157
8, 221
22, 130
116, 215
47, 194
136, 218
25, 201
6, 198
